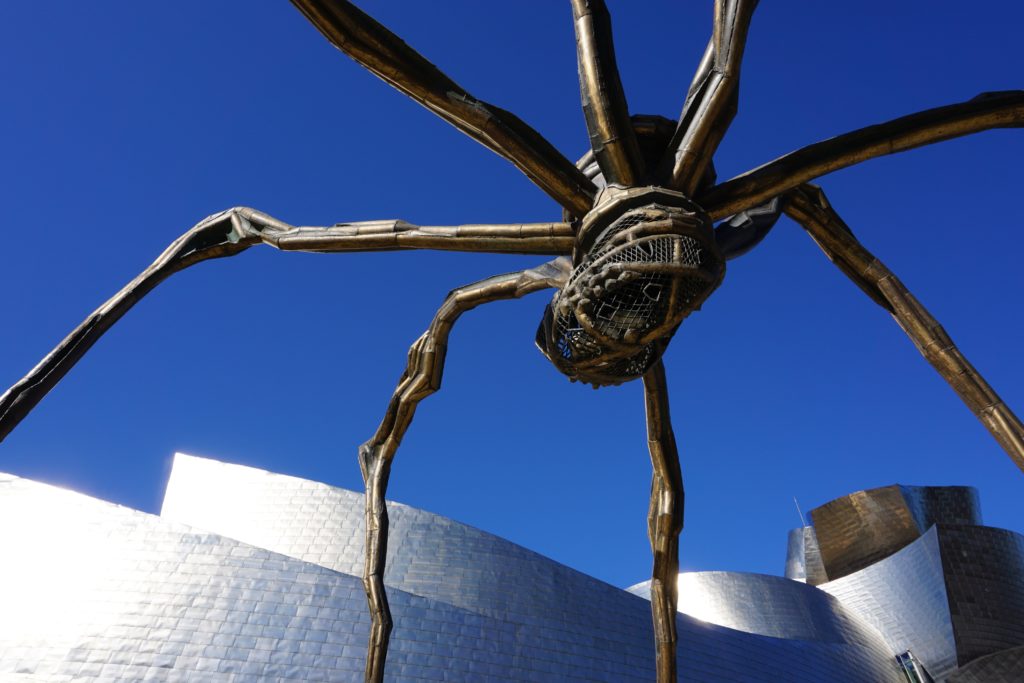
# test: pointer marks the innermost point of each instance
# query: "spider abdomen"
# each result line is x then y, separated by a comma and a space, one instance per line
645, 259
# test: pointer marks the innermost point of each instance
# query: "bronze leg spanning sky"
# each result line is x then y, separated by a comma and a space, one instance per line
808, 206
421, 378
643, 253
664, 519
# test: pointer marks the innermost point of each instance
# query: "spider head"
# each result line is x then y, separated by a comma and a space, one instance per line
644, 261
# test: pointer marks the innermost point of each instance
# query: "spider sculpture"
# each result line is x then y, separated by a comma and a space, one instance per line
637, 251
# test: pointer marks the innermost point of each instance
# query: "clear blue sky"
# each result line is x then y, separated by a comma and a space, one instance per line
123, 124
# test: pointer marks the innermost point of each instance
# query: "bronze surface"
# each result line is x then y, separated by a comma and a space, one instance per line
664, 520
984, 112
604, 103
857, 530
235, 230
809, 207
383, 53
645, 260
711, 102
421, 378
658, 178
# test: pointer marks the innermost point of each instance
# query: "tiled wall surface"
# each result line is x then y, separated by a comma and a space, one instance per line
952, 596
862, 528
904, 597
771, 606
118, 595
803, 557
102, 593
428, 554
1006, 666
796, 556
984, 570
857, 530
252, 576
942, 505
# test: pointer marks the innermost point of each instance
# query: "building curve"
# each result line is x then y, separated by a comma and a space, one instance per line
253, 576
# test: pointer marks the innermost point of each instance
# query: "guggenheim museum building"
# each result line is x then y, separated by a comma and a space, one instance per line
252, 576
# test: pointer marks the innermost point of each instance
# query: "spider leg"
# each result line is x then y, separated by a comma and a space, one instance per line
738, 234
232, 232
421, 378
388, 57
711, 103
809, 207
604, 103
664, 520
989, 110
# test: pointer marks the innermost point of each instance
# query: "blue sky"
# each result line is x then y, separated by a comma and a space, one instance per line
126, 123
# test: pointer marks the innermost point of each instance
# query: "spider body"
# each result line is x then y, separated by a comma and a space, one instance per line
636, 253
645, 259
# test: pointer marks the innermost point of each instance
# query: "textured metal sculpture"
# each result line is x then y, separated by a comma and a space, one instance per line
638, 250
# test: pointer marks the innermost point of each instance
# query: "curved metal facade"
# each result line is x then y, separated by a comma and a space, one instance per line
770, 606
952, 596
904, 598
942, 505
1006, 666
855, 531
984, 570
435, 557
803, 557
252, 576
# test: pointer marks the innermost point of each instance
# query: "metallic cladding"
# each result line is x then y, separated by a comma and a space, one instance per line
803, 557
97, 592
904, 598
771, 606
861, 528
984, 569
954, 595
942, 505
437, 557
145, 598
1006, 666
796, 561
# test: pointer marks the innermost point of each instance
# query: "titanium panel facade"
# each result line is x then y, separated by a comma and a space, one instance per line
1006, 666
144, 598
436, 557
428, 554
771, 606
95, 592
796, 560
139, 598
984, 570
859, 529
862, 528
931, 505
803, 557
952, 596
904, 598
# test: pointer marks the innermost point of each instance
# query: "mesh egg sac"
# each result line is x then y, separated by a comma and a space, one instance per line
646, 272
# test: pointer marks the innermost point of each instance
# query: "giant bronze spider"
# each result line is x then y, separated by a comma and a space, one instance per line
638, 250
